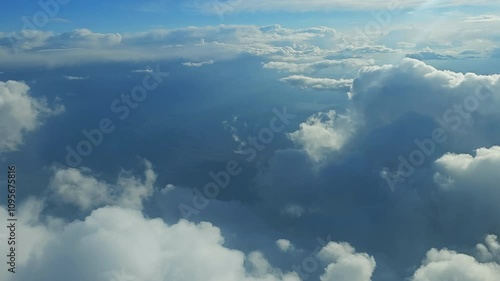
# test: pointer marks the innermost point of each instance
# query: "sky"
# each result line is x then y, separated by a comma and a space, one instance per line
250, 140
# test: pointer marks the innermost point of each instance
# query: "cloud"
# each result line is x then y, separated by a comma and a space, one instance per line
345, 264
449, 265
146, 70
128, 244
284, 245
428, 54
391, 109
473, 180
293, 210
20, 114
464, 171
323, 132
383, 94
80, 188
197, 64
306, 47
308, 67
168, 188
67, 77
85, 38
305, 82
220, 7
483, 18
59, 20
490, 250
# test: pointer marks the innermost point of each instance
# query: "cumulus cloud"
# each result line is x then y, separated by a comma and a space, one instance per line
323, 132
465, 171
344, 264
472, 182
449, 265
490, 250
284, 245
20, 114
115, 242
318, 83
80, 188
383, 94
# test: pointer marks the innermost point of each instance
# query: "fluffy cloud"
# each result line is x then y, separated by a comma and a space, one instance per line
490, 250
284, 245
116, 242
467, 172
471, 181
323, 132
79, 187
20, 113
449, 265
383, 94
344, 264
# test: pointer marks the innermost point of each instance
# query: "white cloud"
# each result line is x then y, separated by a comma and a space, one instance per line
284, 245
168, 188
490, 250
79, 187
20, 113
67, 77
197, 64
308, 67
323, 132
344, 264
477, 173
444, 264
116, 241
385, 93
308, 47
318, 83
483, 18
146, 70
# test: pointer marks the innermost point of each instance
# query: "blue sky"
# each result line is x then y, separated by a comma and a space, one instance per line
134, 16
251, 140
